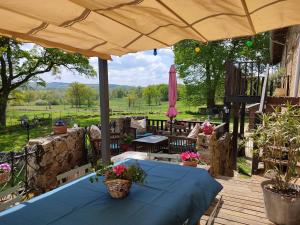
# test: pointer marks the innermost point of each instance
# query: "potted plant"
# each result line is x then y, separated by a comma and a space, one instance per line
60, 127
118, 179
279, 139
190, 158
4, 172
126, 141
207, 128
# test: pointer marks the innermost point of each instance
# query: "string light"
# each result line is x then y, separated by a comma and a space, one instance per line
249, 43
155, 52
197, 49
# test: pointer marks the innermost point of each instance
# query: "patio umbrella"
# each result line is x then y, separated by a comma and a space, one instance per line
172, 94
116, 27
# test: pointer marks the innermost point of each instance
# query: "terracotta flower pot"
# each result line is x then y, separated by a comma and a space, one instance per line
124, 147
189, 163
59, 129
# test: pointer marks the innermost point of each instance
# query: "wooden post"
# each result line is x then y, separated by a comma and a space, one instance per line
104, 110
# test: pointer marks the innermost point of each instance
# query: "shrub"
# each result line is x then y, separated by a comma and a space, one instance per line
41, 102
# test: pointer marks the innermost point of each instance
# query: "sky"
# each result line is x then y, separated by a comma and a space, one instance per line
133, 69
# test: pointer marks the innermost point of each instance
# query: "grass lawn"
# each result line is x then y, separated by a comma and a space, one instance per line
15, 137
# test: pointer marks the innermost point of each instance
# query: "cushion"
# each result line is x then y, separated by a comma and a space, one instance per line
95, 132
196, 130
140, 125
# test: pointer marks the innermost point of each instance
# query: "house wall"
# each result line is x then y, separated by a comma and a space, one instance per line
290, 59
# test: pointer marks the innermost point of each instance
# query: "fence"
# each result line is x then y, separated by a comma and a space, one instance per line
19, 162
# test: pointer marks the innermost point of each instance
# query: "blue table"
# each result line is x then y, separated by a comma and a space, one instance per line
172, 194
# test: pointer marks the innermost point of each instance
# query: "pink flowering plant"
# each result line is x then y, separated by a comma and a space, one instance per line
190, 156
133, 173
207, 128
5, 168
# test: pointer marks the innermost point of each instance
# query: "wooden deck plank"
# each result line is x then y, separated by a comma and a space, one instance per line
242, 202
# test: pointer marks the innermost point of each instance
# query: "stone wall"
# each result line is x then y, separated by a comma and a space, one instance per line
56, 154
290, 58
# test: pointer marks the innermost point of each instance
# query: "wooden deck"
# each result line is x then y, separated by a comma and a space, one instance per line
242, 202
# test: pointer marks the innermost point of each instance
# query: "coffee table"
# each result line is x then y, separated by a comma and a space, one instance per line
153, 143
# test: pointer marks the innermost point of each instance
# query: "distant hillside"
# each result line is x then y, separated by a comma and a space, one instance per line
62, 85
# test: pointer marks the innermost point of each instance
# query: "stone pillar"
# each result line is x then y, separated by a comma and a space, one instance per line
56, 154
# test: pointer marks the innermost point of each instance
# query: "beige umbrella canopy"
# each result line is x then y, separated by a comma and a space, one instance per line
115, 27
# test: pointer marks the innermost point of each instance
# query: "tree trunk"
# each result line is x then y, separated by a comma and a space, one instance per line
3, 106
210, 95
210, 101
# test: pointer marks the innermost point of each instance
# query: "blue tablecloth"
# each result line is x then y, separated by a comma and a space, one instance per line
171, 195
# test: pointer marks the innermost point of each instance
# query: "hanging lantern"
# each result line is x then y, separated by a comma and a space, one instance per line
197, 49
249, 43
155, 51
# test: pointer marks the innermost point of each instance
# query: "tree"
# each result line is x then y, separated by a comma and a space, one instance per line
163, 92
90, 96
18, 65
203, 72
75, 93
131, 96
148, 95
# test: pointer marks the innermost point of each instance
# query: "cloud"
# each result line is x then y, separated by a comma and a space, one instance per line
134, 69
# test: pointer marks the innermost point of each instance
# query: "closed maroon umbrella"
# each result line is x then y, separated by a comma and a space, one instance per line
172, 94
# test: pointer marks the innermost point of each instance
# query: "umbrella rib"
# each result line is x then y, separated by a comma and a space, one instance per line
264, 6
163, 43
82, 17
183, 20
43, 26
46, 43
248, 16
135, 2
123, 24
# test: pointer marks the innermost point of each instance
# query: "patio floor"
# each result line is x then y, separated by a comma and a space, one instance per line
242, 202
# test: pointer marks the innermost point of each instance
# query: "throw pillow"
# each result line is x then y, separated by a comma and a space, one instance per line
95, 132
140, 125
196, 130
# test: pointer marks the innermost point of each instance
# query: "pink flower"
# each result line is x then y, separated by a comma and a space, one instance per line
184, 156
5, 167
194, 155
118, 170
189, 156
207, 128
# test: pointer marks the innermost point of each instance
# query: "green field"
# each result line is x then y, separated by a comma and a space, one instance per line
15, 137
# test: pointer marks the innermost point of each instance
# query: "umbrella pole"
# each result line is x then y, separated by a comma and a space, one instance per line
171, 128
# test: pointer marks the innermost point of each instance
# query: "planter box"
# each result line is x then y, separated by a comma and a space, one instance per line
281, 209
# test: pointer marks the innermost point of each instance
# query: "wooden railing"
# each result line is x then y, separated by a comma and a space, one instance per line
182, 126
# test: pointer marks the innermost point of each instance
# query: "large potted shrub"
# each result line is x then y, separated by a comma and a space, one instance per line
279, 140
126, 142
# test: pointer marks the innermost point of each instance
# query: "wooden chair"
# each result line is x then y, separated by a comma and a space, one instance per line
10, 197
73, 174
179, 144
